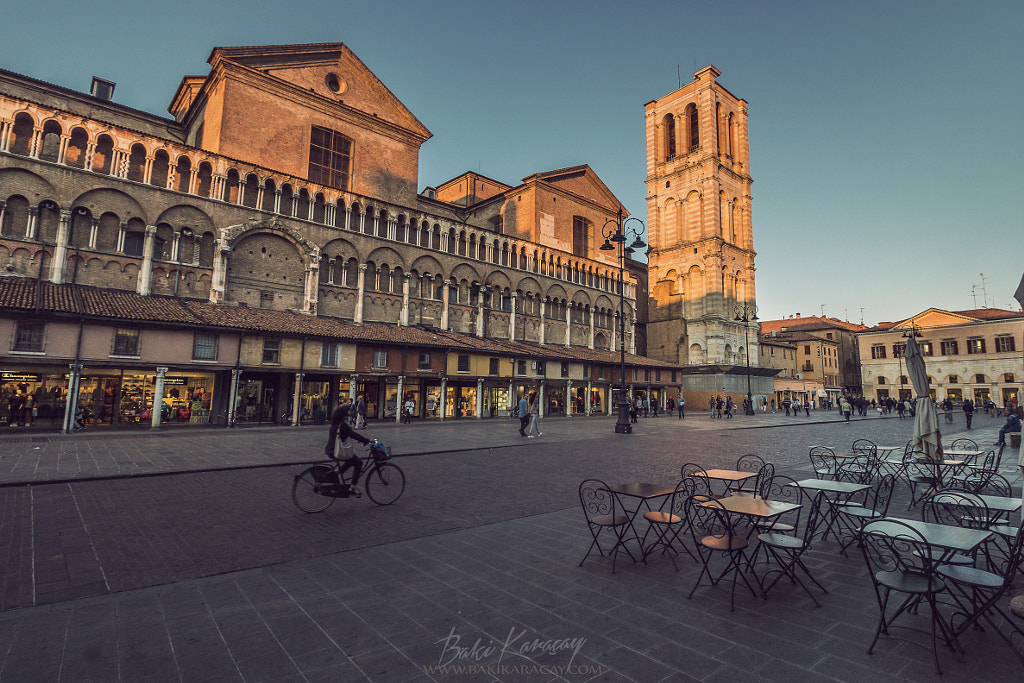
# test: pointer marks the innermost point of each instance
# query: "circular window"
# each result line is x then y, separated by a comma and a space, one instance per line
335, 84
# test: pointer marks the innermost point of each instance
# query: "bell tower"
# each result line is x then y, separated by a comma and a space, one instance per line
701, 258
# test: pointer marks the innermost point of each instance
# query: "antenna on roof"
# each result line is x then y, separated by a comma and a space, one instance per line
861, 315
679, 77
984, 292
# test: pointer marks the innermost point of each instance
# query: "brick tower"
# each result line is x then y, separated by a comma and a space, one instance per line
701, 243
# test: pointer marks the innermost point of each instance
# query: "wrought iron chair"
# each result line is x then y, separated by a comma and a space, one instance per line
764, 473
713, 532
899, 561
783, 489
823, 460
851, 517
918, 472
749, 463
955, 508
977, 594
668, 524
786, 552
600, 509
702, 485
861, 468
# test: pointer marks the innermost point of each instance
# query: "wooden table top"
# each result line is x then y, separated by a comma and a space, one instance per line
642, 490
729, 475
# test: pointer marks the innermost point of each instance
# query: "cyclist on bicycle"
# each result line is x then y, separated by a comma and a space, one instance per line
340, 429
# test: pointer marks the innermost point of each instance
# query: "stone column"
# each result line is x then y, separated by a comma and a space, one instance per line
589, 404
444, 305
590, 342
236, 374
542, 326
31, 226
312, 288
512, 318
615, 330
361, 286
72, 403
60, 252
570, 401
441, 407
352, 388
479, 399
220, 268
158, 398
568, 324
296, 398
146, 273
540, 398
400, 399
480, 312
632, 337
277, 200
404, 320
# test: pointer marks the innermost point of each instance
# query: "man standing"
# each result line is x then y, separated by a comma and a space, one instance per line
681, 404
360, 412
969, 411
524, 414
408, 410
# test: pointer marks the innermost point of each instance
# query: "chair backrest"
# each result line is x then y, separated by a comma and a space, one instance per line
956, 508
964, 444
764, 474
684, 489
596, 499
690, 468
785, 490
878, 498
990, 484
1013, 558
750, 463
864, 447
891, 545
823, 460
814, 517
704, 520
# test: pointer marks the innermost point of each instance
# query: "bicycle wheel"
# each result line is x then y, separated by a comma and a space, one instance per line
384, 483
304, 492
241, 420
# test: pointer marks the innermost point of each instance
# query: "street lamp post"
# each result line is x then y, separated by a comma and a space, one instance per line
746, 314
618, 233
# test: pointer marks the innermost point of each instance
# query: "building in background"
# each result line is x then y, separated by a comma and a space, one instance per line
971, 354
841, 373
285, 183
701, 238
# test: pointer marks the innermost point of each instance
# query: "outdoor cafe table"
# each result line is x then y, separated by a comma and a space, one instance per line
835, 492
641, 495
732, 478
1001, 503
951, 539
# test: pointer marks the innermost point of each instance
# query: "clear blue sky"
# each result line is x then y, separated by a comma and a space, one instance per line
886, 137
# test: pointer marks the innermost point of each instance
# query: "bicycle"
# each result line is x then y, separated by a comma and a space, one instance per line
949, 415
235, 420
305, 417
316, 487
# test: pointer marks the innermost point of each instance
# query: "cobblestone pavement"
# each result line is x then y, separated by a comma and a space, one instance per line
206, 571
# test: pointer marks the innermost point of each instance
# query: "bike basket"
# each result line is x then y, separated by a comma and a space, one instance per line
380, 452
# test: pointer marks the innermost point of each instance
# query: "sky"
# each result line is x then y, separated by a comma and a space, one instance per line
886, 138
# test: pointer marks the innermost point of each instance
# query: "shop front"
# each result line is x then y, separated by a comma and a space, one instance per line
554, 396
496, 399
460, 400
33, 396
599, 400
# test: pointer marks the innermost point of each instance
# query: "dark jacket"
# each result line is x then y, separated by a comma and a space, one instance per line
340, 428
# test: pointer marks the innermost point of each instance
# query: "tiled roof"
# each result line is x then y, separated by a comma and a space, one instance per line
810, 322
24, 294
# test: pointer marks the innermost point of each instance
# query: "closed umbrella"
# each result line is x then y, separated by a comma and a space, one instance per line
927, 438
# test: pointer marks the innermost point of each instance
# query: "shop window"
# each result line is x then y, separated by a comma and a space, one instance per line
463, 365
126, 343
28, 337
380, 359
541, 369
204, 347
673, 377
975, 346
424, 363
271, 351
657, 375
586, 372
565, 369
647, 374
329, 353
1005, 345
495, 364
950, 348
521, 367
600, 372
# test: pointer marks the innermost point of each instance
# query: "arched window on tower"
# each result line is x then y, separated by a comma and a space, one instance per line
669, 125
692, 129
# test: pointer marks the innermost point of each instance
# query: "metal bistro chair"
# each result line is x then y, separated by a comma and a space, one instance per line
899, 561
955, 508
702, 485
977, 594
599, 508
749, 463
668, 524
823, 460
976, 475
917, 473
860, 469
712, 531
787, 552
764, 474
851, 517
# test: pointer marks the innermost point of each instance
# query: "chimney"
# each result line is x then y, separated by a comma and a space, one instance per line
102, 89
797, 316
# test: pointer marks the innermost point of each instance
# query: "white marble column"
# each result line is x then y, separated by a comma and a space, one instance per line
589, 404
361, 287
480, 312
570, 400
542, 322
479, 399
297, 398
158, 398
444, 305
406, 279
400, 399
568, 325
146, 273
540, 399
220, 268
441, 408
512, 318
60, 251
590, 343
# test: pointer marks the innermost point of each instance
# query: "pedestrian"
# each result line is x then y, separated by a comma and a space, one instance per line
845, 408
654, 408
795, 405
711, 406
786, 404
408, 410
969, 411
719, 405
524, 414
900, 409
1012, 425
534, 417
728, 407
680, 405
361, 412
671, 404
633, 412
773, 406
807, 408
